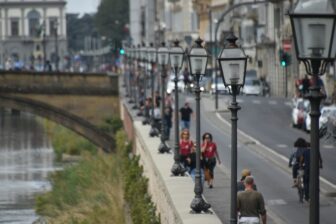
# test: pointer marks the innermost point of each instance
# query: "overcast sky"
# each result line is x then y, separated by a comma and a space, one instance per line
82, 6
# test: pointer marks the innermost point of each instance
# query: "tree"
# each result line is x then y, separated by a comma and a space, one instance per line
112, 19
77, 29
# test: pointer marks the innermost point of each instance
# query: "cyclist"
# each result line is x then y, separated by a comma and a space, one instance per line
296, 159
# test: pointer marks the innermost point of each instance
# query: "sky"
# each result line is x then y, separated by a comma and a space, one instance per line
82, 6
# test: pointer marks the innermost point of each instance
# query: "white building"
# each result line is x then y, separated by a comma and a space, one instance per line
24, 25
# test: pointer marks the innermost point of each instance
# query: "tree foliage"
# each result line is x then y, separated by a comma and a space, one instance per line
77, 29
112, 19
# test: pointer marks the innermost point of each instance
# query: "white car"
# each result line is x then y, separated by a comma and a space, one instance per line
325, 111
220, 87
299, 112
252, 87
171, 84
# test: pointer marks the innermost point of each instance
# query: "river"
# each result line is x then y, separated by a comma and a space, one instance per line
26, 159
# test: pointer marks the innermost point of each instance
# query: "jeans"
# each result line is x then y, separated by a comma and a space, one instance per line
185, 124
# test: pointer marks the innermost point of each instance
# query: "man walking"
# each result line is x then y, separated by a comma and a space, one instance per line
250, 204
186, 113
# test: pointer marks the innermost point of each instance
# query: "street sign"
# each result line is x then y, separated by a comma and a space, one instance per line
287, 45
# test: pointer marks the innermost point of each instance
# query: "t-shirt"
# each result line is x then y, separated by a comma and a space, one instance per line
185, 147
250, 203
210, 150
185, 113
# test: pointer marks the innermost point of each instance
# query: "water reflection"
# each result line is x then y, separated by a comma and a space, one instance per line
26, 158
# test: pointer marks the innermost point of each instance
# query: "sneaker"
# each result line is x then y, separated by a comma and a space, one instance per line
210, 186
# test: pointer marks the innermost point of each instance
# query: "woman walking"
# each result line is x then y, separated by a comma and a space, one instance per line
210, 154
186, 147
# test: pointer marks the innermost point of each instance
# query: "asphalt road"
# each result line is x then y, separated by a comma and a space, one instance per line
268, 121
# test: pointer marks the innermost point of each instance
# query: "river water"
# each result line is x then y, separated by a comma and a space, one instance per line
26, 159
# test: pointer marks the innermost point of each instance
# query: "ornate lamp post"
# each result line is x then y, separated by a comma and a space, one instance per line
314, 30
131, 74
144, 56
176, 55
232, 63
163, 56
152, 59
136, 76
198, 59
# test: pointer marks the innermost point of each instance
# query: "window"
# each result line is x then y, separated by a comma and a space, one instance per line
53, 26
34, 23
14, 27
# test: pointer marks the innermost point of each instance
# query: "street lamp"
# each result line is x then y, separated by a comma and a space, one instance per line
144, 61
232, 62
176, 55
314, 29
131, 73
163, 56
198, 59
152, 59
136, 73
56, 46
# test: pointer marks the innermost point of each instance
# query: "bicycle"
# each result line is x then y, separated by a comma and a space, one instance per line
300, 185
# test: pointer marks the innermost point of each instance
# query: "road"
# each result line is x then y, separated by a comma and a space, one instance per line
269, 125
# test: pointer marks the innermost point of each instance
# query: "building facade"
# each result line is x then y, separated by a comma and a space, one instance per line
32, 31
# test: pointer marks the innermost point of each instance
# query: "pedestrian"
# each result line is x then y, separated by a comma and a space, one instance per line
210, 155
191, 161
8, 64
185, 113
48, 66
305, 85
250, 204
167, 118
186, 145
157, 98
240, 184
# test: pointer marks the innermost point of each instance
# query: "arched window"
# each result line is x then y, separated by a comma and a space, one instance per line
33, 23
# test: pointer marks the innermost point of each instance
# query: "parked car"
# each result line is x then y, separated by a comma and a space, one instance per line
220, 87
299, 112
252, 87
325, 112
171, 84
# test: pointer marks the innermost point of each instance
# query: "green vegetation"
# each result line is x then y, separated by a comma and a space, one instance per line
98, 188
112, 19
67, 142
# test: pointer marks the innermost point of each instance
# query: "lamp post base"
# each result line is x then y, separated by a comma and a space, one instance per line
198, 205
163, 148
178, 169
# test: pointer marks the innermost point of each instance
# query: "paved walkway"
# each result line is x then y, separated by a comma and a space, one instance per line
219, 195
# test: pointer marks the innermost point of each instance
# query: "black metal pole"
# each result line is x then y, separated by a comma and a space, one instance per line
56, 50
129, 84
136, 84
198, 204
44, 50
234, 118
153, 86
163, 146
286, 81
216, 79
177, 169
315, 98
